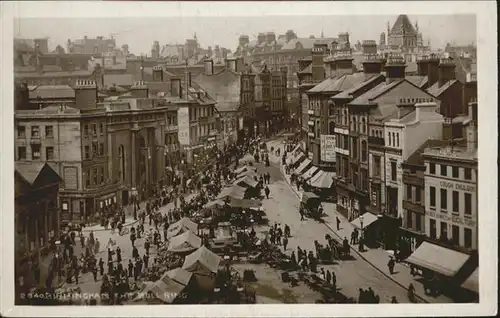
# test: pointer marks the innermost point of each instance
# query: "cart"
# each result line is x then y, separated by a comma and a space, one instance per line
311, 202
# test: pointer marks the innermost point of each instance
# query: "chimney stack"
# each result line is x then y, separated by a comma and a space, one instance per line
231, 64
432, 69
372, 65
395, 68
157, 73
421, 104
344, 60
471, 132
261, 38
422, 66
331, 66
446, 71
139, 90
209, 67
369, 47
85, 94
175, 87
318, 68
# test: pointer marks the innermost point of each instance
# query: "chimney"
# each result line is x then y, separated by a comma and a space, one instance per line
372, 65
331, 66
344, 60
395, 68
240, 65
157, 73
85, 94
270, 37
175, 87
139, 90
243, 40
446, 71
261, 38
447, 129
405, 106
369, 47
209, 67
472, 108
432, 69
289, 35
70, 66
422, 66
114, 59
318, 68
471, 132
98, 76
421, 104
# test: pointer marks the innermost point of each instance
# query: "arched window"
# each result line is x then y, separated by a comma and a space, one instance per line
363, 125
390, 139
363, 151
354, 123
393, 139
331, 128
346, 118
397, 140
121, 157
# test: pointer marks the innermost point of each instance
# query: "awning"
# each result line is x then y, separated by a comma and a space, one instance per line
472, 282
438, 259
305, 196
309, 173
322, 179
302, 166
368, 219
297, 158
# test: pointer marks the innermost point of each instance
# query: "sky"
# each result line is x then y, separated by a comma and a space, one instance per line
140, 33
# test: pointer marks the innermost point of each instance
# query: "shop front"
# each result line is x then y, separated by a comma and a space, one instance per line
367, 224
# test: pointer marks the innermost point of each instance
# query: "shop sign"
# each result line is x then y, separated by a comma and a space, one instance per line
327, 148
183, 124
457, 186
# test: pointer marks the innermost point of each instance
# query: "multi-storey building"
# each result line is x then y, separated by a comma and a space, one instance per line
233, 88
304, 75
451, 192
91, 46
363, 117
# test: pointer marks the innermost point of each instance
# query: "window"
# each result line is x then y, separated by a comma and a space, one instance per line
49, 153
390, 139
49, 132
444, 231
101, 149
364, 155
21, 153
432, 225
376, 166
94, 175
363, 125
101, 128
87, 152
432, 168
409, 223
432, 194
354, 148
21, 131
468, 173
443, 170
35, 152
467, 238
35, 131
418, 193
85, 130
444, 199
94, 129
455, 201
455, 234
408, 192
87, 179
454, 172
397, 140
418, 222
467, 204
102, 175
95, 148
393, 171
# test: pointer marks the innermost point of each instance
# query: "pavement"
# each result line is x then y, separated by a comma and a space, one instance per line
375, 258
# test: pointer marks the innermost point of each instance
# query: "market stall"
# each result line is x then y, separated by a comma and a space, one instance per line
183, 225
185, 242
203, 264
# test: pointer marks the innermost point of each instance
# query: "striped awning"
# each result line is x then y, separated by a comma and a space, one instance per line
322, 179
303, 166
472, 282
297, 158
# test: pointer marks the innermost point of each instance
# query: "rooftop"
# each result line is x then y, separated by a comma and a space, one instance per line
382, 88
436, 91
224, 87
416, 157
51, 91
417, 80
448, 152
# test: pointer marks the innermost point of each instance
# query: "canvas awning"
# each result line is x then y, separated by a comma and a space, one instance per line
180, 275
472, 282
213, 204
246, 180
367, 218
243, 169
438, 259
186, 242
166, 289
322, 179
202, 261
303, 166
248, 173
304, 196
234, 191
297, 158
184, 224
309, 173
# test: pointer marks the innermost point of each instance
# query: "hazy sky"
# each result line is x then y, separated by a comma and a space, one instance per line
139, 33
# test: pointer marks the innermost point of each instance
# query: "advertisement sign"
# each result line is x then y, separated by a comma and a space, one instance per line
327, 148
183, 123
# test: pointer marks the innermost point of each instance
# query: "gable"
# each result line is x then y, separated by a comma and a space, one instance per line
404, 90
47, 176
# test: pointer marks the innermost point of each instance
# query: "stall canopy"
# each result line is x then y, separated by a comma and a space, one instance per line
303, 166
368, 219
183, 225
248, 173
234, 191
305, 196
439, 259
246, 180
234, 203
323, 179
243, 169
185, 242
180, 275
297, 158
472, 282
309, 173
165, 289
202, 261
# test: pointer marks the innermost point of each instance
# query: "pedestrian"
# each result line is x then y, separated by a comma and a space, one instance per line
110, 268
394, 300
82, 240
97, 246
94, 272
110, 255
334, 279
36, 272
338, 223
77, 273
145, 259
285, 243
118, 254
130, 268
361, 296
147, 245
101, 266
390, 265
301, 212
328, 276
132, 238
267, 191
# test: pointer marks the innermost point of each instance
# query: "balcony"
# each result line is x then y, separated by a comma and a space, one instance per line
310, 123
415, 207
375, 141
310, 112
413, 180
